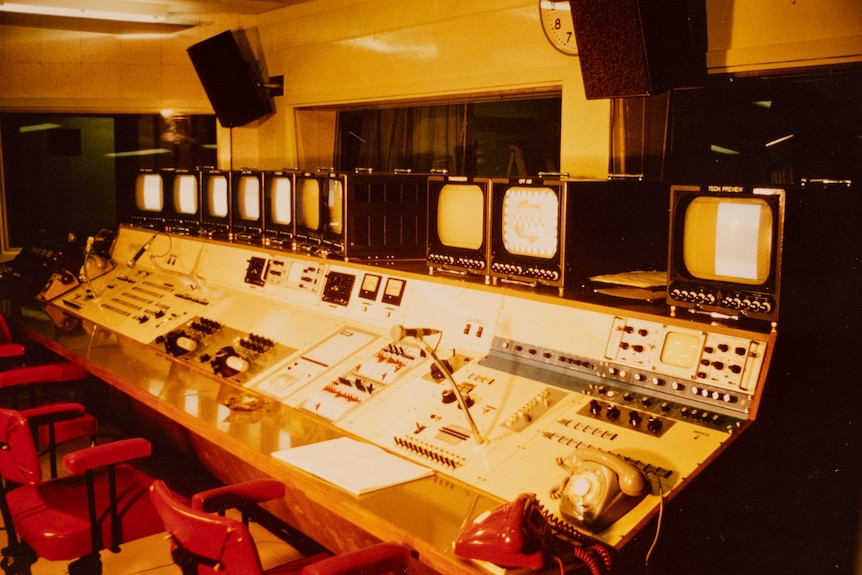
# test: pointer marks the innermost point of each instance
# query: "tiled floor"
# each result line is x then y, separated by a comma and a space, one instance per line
151, 556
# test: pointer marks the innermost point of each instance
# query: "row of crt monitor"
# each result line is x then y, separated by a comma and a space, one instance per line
721, 245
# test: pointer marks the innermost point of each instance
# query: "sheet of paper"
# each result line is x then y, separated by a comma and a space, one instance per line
353, 465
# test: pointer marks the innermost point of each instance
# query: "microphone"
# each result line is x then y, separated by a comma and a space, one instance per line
399, 332
134, 261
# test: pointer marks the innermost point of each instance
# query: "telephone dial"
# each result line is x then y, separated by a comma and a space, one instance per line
600, 489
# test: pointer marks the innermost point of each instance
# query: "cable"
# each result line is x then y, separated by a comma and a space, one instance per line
658, 523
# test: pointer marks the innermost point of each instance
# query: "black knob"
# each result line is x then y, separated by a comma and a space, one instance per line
654, 424
635, 418
595, 407
613, 412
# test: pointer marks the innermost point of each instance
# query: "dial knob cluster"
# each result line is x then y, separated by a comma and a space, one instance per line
529, 271
734, 300
465, 262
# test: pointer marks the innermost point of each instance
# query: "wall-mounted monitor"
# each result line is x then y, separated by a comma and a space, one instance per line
458, 226
279, 188
725, 249
148, 206
183, 214
247, 205
216, 205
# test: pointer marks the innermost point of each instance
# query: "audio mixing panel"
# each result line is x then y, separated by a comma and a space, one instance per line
540, 375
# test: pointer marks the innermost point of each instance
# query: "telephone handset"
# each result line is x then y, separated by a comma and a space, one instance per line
512, 535
600, 489
523, 535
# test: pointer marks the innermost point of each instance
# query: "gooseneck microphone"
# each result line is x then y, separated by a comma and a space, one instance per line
399, 332
134, 261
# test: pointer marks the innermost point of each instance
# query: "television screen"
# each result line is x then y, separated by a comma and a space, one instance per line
728, 239
185, 194
725, 249
149, 192
247, 195
280, 200
530, 220
458, 212
335, 205
308, 204
461, 216
217, 202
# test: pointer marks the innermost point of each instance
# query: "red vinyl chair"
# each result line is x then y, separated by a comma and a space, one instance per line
204, 542
85, 425
22, 380
102, 504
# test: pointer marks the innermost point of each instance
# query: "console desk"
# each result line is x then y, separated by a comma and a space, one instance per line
306, 354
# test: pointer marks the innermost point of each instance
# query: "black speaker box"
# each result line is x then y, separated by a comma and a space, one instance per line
639, 47
231, 79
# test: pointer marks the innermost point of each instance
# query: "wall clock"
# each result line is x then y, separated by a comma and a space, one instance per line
557, 23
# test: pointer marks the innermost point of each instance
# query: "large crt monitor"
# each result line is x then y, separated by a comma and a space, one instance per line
279, 188
560, 232
458, 227
725, 249
528, 231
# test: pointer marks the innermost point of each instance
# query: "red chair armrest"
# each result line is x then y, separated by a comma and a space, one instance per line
379, 558
238, 495
53, 412
106, 454
11, 350
48, 373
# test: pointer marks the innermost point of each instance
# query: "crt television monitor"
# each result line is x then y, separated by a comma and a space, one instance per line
215, 202
278, 205
148, 205
183, 214
528, 227
725, 249
458, 212
320, 210
247, 208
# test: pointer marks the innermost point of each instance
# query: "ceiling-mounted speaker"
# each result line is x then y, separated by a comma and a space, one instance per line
232, 78
639, 47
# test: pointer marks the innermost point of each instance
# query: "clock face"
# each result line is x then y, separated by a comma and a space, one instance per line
557, 23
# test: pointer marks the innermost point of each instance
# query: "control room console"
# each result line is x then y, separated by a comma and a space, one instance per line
394, 357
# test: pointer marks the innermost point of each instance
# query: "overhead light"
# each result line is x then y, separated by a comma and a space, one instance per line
133, 153
778, 140
722, 150
37, 128
116, 11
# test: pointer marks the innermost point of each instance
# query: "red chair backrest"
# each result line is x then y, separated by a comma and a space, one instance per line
19, 459
221, 545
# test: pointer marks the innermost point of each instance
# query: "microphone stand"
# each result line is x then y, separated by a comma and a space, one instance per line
430, 351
